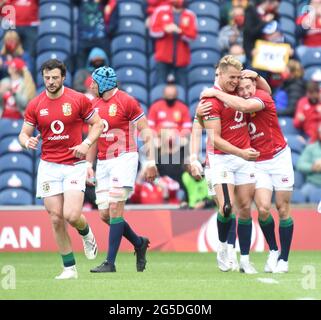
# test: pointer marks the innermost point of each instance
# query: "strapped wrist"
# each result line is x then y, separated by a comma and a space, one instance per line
88, 142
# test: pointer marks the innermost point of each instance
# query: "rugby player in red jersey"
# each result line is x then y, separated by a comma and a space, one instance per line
117, 162
58, 113
274, 167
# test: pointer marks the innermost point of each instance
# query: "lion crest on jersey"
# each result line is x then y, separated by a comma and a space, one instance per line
66, 109
112, 110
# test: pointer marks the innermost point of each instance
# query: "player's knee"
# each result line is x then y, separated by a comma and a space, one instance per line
264, 211
283, 211
57, 221
102, 201
104, 216
73, 219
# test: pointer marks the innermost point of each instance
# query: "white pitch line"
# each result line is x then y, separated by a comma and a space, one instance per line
268, 280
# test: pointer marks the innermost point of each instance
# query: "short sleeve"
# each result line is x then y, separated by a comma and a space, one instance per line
216, 110
134, 110
30, 115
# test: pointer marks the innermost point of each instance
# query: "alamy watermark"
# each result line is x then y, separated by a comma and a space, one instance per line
8, 21
8, 277
308, 282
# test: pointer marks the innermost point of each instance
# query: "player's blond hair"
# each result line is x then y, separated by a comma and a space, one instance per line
229, 60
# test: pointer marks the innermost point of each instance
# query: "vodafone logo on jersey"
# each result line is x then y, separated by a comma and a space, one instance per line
57, 127
207, 239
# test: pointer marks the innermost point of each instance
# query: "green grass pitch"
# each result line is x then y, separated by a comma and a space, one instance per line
168, 276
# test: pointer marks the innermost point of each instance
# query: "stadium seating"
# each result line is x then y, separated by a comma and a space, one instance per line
195, 91
207, 58
9, 127
129, 58
312, 73
314, 195
67, 2
287, 9
15, 196
132, 75
295, 142
54, 42
54, 26
16, 179
53, 54
208, 25
309, 56
205, 41
10, 144
201, 75
131, 9
137, 91
298, 197
205, 8
129, 26
287, 127
54, 10
16, 161
128, 42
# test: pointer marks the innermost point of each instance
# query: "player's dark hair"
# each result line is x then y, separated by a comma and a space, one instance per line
54, 64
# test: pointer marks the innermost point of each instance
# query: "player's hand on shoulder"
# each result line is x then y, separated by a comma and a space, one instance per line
203, 108
208, 93
250, 154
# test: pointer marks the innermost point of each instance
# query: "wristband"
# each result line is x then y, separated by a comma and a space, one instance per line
88, 142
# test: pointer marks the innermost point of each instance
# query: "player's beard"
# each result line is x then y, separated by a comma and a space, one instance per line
56, 89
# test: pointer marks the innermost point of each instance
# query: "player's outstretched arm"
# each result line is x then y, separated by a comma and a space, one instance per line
26, 139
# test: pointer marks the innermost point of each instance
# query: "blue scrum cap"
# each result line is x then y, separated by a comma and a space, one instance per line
106, 79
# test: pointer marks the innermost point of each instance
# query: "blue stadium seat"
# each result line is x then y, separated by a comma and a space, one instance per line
310, 56
315, 195
287, 127
287, 9
16, 179
16, 161
56, 54
54, 26
10, 127
11, 144
131, 9
204, 58
39, 202
287, 25
157, 93
128, 42
312, 73
298, 179
67, 2
54, 10
205, 41
137, 91
195, 91
52, 43
129, 58
131, 25
192, 109
145, 109
15, 196
141, 2
132, 75
208, 25
201, 75
205, 8
295, 142
152, 62
298, 196
295, 158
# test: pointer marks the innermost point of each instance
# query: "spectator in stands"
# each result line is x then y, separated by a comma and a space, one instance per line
226, 8
310, 164
233, 33
256, 18
173, 27
26, 24
308, 112
92, 28
16, 90
12, 48
151, 6
171, 121
237, 51
292, 89
309, 25
96, 58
